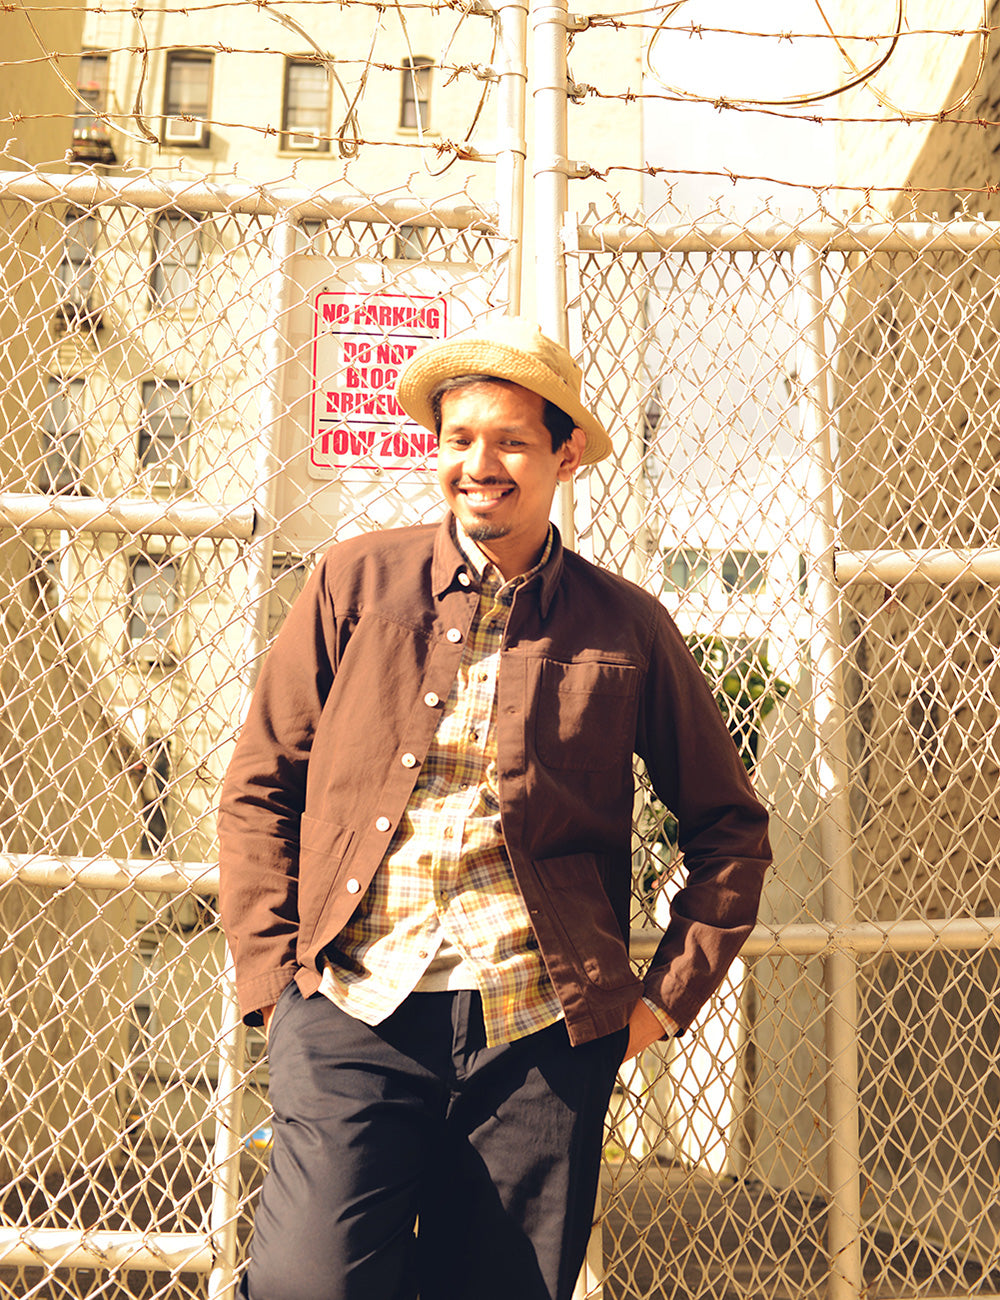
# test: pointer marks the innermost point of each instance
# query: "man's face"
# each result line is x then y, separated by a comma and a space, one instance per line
498, 472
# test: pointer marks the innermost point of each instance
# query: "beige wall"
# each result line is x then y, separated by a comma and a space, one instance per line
927, 72
918, 402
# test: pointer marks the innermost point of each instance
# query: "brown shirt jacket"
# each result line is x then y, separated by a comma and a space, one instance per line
592, 670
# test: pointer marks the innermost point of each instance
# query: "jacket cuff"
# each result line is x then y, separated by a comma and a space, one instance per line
670, 1026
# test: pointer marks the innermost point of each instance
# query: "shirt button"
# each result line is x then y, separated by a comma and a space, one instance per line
432, 700
447, 832
422, 955
354, 886
465, 580
382, 824
454, 634
409, 760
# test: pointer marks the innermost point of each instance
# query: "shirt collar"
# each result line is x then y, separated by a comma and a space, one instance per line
481, 564
450, 561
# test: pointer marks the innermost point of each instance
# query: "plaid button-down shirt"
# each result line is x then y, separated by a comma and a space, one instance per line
446, 877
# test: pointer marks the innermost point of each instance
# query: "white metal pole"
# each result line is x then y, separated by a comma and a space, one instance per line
229, 1092
551, 188
512, 18
550, 169
228, 1107
840, 965
551, 195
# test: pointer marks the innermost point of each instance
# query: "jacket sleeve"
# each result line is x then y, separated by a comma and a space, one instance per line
722, 828
263, 796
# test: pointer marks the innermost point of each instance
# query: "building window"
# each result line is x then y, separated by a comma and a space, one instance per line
76, 272
305, 119
152, 605
309, 235
186, 98
176, 257
410, 243
288, 577
91, 137
153, 796
717, 575
687, 570
167, 410
414, 107
62, 434
743, 572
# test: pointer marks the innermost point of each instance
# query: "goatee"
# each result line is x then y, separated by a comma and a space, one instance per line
487, 532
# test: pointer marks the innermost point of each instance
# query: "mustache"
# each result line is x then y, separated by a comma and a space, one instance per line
471, 485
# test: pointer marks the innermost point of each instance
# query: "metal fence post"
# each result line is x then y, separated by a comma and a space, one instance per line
226, 1163
832, 768
512, 18
551, 170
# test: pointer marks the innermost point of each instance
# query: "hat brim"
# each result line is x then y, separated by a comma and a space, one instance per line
471, 355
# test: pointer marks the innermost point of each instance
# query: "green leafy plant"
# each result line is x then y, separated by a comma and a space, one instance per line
746, 691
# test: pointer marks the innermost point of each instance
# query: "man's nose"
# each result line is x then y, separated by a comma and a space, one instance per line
481, 460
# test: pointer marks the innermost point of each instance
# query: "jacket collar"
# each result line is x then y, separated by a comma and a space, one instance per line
448, 562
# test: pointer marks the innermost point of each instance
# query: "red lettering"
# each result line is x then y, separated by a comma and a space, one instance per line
361, 443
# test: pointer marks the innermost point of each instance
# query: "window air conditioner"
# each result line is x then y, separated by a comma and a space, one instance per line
180, 130
78, 308
305, 137
149, 649
165, 476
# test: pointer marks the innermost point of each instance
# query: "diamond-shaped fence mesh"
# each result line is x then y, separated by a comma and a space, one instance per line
196, 401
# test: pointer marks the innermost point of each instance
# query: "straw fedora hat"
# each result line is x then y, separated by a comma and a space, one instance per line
508, 347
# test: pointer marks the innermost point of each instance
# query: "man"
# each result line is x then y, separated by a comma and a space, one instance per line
425, 858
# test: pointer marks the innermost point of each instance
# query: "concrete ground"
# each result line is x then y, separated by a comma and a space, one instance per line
669, 1234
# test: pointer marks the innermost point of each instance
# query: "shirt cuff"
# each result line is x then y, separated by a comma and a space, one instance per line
670, 1026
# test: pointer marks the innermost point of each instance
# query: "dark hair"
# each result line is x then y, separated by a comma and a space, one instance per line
559, 424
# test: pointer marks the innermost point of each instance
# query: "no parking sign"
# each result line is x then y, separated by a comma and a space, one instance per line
344, 446
360, 344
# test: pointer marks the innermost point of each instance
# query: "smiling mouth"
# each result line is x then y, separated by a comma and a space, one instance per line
481, 495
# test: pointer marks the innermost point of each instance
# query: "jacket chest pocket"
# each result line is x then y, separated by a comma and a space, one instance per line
585, 715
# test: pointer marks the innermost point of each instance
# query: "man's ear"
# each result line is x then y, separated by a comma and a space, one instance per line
571, 454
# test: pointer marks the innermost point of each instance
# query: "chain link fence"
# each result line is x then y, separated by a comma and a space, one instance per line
195, 399
804, 475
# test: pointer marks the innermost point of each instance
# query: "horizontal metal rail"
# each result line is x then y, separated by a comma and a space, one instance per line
156, 877
151, 1252
780, 237
960, 934
934, 566
809, 939
124, 515
88, 190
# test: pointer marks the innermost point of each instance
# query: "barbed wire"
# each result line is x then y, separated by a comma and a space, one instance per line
861, 76
727, 105
700, 30
348, 138
818, 189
